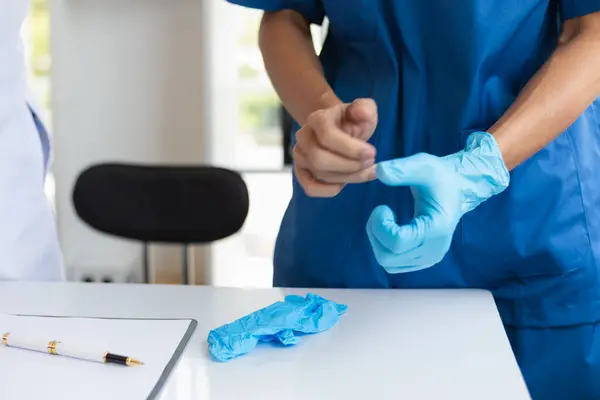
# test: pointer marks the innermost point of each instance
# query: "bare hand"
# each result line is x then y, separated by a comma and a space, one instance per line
331, 148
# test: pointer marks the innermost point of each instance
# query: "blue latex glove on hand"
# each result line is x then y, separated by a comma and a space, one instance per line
444, 189
280, 322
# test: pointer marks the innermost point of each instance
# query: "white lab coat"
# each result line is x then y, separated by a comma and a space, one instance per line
29, 248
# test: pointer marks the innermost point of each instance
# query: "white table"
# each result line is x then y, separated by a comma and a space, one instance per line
392, 344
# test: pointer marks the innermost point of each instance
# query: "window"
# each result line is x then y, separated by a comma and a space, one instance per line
36, 38
259, 142
247, 135
248, 117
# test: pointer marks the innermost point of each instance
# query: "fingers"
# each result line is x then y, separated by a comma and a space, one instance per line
319, 158
312, 187
330, 136
397, 239
362, 176
327, 156
334, 172
420, 244
417, 170
390, 261
326, 184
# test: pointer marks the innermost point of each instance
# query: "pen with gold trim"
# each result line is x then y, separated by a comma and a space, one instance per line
59, 348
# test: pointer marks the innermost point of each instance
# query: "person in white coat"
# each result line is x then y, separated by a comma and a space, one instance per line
29, 248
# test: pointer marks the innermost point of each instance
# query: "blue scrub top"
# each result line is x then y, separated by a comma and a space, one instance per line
438, 71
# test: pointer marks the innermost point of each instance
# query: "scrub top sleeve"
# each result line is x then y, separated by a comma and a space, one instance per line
577, 8
312, 10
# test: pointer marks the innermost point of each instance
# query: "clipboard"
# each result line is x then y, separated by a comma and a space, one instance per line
160, 341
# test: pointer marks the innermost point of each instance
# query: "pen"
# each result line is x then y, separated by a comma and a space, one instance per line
58, 348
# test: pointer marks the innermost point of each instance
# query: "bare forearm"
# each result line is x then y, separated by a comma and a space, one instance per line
555, 97
293, 66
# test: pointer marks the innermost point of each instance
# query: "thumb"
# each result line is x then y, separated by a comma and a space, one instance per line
416, 170
362, 110
360, 118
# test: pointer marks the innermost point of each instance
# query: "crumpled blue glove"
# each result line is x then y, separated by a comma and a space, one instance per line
444, 189
280, 322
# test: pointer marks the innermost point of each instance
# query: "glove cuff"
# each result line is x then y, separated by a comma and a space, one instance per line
484, 146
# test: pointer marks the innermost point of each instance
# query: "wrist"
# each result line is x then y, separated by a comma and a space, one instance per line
506, 144
484, 147
481, 170
327, 99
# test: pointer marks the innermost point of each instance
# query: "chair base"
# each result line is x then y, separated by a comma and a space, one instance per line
185, 262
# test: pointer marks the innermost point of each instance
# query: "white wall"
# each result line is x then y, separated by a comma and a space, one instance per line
244, 259
128, 84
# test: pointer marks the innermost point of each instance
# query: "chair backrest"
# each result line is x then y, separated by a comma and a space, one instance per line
168, 204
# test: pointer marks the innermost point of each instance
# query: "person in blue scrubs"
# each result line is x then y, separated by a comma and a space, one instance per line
444, 144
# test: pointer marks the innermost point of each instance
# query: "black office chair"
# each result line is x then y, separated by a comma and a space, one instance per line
162, 204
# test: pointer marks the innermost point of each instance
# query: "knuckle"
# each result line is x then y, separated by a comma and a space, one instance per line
324, 135
298, 158
308, 141
423, 156
296, 153
301, 135
315, 158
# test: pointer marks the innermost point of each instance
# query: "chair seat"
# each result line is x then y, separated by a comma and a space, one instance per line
168, 204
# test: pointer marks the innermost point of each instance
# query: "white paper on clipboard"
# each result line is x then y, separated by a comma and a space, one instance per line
33, 375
